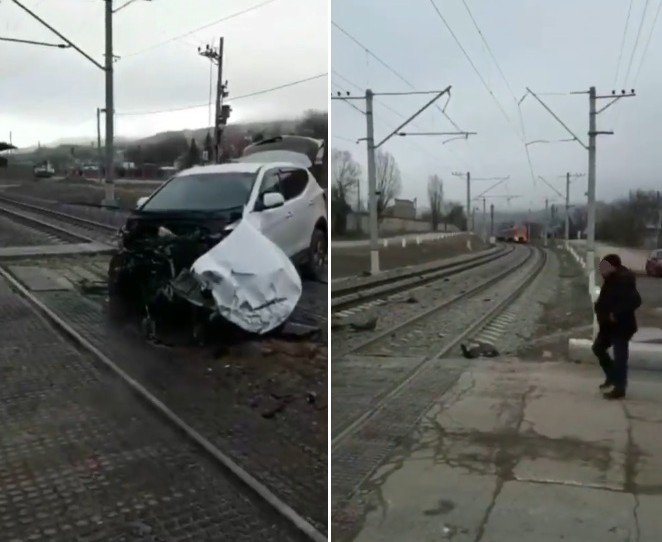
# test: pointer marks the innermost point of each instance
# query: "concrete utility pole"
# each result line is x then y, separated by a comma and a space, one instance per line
568, 175
546, 228
99, 159
659, 219
109, 200
491, 220
220, 90
470, 214
590, 233
372, 184
215, 56
468, 176
567, 209
108, 69
591, 148
373, 193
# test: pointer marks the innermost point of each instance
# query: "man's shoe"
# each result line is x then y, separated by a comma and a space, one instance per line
605, 385
616, 393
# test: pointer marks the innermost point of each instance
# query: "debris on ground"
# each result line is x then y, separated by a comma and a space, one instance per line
479, 350
368, 323
275, 405
300, 331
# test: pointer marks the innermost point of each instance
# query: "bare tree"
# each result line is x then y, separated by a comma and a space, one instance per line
346, 174
436, 200
389, 181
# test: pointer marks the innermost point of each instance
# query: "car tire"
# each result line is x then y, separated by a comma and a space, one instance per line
315, 267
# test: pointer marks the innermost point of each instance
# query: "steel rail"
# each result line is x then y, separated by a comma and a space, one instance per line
352, 426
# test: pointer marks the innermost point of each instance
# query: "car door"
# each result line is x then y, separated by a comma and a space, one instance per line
273, 223
294, 182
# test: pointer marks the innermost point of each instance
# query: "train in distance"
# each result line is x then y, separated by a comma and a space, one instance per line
513, 233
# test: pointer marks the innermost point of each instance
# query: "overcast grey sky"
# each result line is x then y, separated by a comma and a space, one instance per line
548, 46
48, 94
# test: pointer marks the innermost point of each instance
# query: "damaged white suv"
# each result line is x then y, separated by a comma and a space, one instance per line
200, 206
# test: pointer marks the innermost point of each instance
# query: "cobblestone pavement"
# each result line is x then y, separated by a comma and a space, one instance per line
262, 402
82, 459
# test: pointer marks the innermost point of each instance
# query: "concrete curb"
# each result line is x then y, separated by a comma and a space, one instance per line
646, 356
581, 261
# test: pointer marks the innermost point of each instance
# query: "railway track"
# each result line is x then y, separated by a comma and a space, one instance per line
352, 296
301, 527
66, 226
70, 228
384, 383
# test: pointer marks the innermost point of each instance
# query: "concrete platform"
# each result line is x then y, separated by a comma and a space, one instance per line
519, 451
13, 253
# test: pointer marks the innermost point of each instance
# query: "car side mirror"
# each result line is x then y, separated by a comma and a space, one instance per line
141, 201
272, 199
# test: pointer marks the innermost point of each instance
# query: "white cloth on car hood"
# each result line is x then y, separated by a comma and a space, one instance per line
253, 282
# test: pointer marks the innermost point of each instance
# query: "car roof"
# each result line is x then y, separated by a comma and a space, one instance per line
235, 167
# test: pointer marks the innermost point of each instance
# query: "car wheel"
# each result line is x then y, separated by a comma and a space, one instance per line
315, 266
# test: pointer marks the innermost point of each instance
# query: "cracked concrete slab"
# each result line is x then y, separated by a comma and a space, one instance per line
648, 515
520, 451
524, 512
427, 501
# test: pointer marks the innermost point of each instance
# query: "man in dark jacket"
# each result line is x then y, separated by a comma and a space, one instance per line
614, 309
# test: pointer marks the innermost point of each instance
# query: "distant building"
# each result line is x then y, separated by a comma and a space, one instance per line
652, 236
402, 208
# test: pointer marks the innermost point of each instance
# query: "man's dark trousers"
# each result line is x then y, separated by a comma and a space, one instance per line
616, 370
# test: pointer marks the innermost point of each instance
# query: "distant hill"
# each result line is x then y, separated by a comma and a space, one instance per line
164, 147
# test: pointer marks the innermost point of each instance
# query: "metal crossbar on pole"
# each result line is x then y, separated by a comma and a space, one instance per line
58, 34
32, 42
592, 159
107, 67
373, 193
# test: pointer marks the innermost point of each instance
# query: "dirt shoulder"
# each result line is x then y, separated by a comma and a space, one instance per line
569, 313
347, 261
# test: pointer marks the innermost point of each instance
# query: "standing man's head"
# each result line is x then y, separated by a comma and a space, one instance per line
609, 264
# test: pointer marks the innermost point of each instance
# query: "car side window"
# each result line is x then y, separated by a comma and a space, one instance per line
293, 182
271, 182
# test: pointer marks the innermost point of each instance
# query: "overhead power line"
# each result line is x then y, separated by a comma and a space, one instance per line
471, 62
180, 36
58, 34
391, 69
489, 49
240, 97
636, 43
125, 4
648, 41
620, 53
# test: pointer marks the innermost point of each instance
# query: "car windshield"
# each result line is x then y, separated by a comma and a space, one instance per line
203, 192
